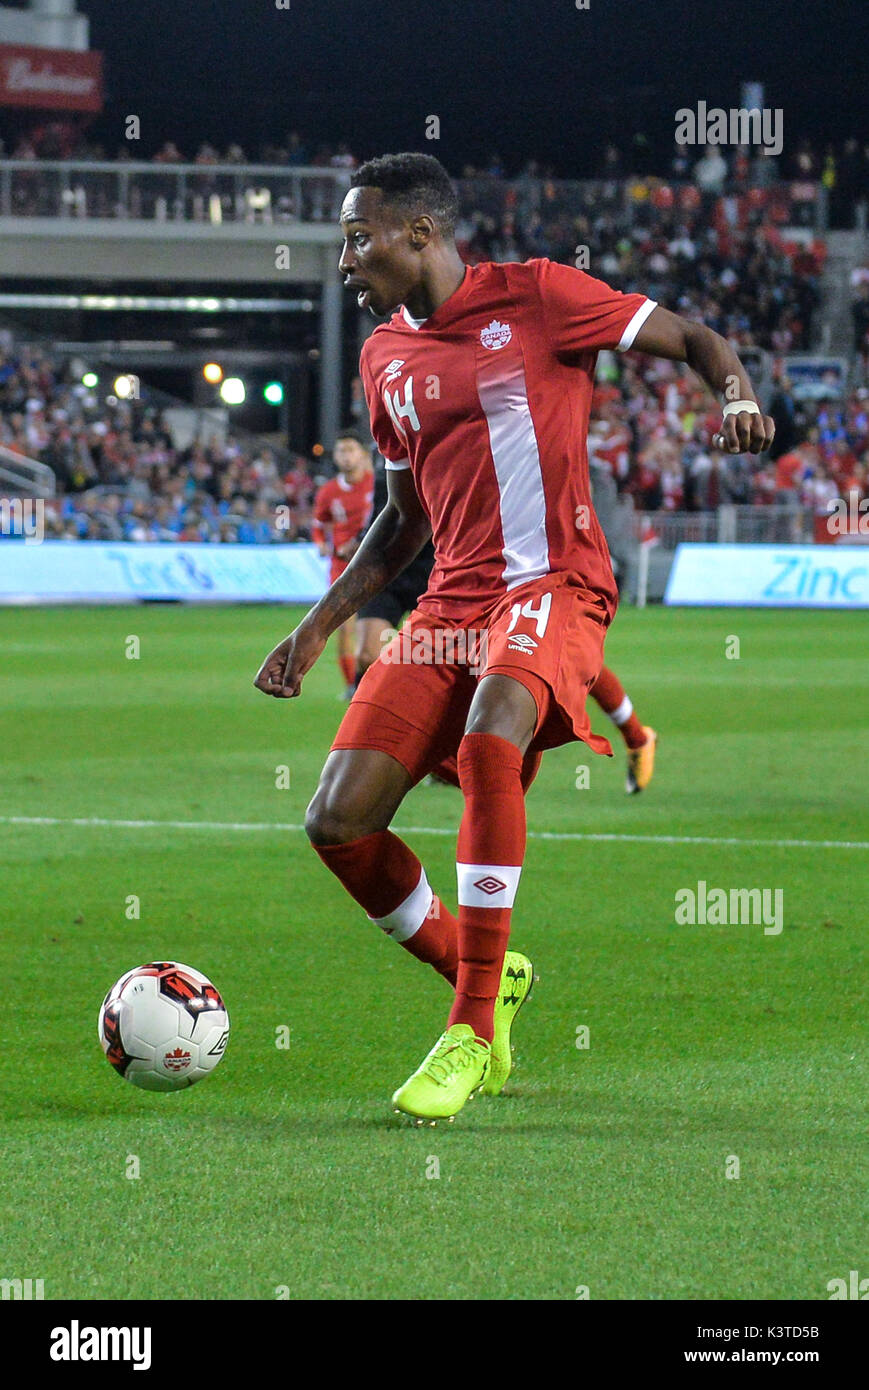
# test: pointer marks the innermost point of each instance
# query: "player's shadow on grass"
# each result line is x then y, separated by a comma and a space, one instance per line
598, 1116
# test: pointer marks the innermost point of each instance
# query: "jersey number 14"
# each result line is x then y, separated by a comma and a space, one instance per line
402, 410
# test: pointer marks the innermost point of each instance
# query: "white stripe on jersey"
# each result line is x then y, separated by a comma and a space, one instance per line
504, 398
636, 324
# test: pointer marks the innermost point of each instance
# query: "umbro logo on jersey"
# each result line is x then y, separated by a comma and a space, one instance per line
394, 368
497, 335
519, 642
490, 884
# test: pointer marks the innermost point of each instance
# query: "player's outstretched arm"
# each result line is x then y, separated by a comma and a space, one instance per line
395, 538
708, 354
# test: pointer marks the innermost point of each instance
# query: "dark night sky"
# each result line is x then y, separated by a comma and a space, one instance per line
521, 78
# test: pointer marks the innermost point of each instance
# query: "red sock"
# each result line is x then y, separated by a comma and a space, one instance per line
448, 770
489, 861
348, 669
388, 881
610, 695
530, 768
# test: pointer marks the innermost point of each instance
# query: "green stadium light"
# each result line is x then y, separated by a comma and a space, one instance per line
274, 393
90, 380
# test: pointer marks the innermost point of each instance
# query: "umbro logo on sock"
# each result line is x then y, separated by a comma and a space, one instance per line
490, 884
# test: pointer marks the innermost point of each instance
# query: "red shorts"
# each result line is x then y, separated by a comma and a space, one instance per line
413, 702
337, 568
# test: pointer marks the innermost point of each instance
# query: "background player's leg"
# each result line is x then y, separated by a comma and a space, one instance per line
346, 660
641, 740
613, 700
491, 847
347, 822
369, 642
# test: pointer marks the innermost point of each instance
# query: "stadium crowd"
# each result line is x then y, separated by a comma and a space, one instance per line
718, 242
721, 248
652, 425
121, 476
59, 139
726, 260
842, 167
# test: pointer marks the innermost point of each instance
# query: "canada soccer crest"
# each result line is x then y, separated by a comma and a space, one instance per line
497, 335
177, 1060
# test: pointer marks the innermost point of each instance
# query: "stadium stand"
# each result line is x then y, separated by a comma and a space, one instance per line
729, 243
121, 475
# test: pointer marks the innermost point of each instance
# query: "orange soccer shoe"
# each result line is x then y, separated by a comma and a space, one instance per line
641, 763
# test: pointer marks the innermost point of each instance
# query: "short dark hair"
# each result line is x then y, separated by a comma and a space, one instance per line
413, 183
351, 432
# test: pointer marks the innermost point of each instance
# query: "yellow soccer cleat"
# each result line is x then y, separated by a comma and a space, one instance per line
451, 1074
641, 763
517, 978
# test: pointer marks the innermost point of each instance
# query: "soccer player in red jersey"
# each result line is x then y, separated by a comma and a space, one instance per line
343, 508
640, 740
479, 385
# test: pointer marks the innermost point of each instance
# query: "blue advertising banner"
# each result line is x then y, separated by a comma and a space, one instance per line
110, 572
770, 576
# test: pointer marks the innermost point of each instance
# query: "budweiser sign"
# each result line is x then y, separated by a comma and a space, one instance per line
50, 79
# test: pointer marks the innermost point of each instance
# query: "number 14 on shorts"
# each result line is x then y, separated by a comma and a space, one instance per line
539, 614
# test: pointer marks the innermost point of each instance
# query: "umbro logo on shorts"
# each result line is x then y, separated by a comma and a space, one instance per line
519, 642
490, 884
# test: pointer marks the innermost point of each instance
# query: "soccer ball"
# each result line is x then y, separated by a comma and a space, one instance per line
163, 1026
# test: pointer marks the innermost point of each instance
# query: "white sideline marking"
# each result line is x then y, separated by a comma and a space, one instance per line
573, 835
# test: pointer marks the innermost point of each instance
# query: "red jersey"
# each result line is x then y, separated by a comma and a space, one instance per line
346, 507
788, 470
487, 401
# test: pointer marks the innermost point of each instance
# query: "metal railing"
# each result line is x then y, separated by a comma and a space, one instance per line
214, 193
136, 191
24, 477
742, 525
632, 201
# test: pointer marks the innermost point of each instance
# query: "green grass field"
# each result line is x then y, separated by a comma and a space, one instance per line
602, 1167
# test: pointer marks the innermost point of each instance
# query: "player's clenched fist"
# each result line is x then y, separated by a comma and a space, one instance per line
282, 671
745, 432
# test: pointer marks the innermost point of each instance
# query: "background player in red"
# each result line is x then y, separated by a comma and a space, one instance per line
342, 510
640, 740
479, 390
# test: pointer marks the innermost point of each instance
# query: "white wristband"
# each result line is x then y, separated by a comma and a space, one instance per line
734, 408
